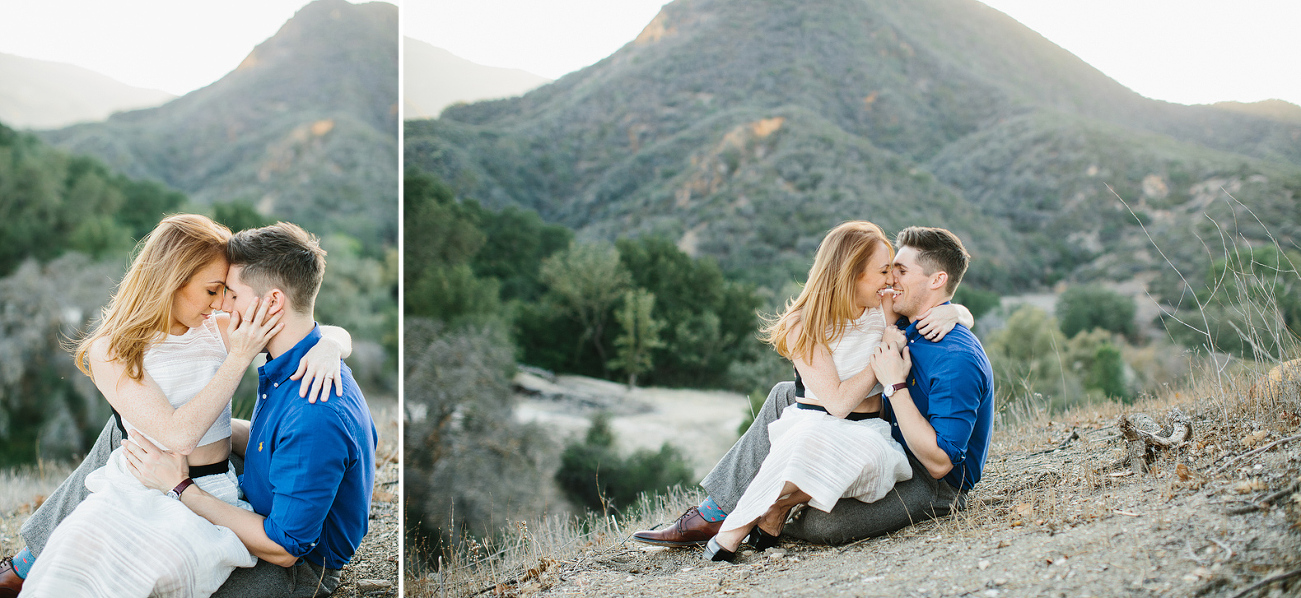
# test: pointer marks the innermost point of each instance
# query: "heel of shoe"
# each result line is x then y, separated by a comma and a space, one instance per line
715, 552
760, 539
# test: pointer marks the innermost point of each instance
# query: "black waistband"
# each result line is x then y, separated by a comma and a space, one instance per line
853, 416
198, 471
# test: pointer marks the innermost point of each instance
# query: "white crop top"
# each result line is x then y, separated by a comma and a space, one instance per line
182, 366
852, 350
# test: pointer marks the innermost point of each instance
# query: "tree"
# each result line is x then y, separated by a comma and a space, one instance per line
442, 237
709, 320
1083, 308
1027, 357
239, 215
641, 335
587, 279
593, 475
468, 464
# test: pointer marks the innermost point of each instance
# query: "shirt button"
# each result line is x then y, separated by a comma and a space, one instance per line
275, 385
264, 396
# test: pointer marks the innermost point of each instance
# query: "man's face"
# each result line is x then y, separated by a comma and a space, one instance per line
238, 294
912, 283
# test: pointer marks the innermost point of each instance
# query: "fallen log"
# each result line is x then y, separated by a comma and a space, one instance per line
1145, 438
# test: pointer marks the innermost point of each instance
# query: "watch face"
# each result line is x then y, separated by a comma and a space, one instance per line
173, 494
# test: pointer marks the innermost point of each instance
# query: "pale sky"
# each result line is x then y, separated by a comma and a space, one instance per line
1185, 51
175, 46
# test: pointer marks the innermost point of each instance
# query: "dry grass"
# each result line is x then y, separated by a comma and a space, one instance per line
1025, 484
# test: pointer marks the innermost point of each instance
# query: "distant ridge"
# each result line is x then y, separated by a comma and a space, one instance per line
744, 129
436, 78
305, 128
40, 94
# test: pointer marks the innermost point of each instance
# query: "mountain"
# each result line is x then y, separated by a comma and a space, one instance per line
436, 78
305, 128
39, 94
745, 129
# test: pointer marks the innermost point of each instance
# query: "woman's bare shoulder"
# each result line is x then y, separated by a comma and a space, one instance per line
100, 350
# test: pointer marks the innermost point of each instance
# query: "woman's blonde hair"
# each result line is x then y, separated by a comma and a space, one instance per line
140, 311
826, 305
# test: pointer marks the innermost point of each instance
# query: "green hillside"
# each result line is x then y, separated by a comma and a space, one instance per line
744, 130
305, 128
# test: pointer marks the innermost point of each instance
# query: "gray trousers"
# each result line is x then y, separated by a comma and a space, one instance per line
263, 580
911, 501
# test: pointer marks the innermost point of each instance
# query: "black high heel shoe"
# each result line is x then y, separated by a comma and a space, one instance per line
715, 552
760, 539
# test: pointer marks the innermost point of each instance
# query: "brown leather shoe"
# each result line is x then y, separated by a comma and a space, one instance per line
10, 583
690, 530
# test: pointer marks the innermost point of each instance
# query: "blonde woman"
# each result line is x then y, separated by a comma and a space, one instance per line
168, 362
830, 444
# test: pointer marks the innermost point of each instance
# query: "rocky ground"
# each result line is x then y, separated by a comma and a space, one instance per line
1053, 516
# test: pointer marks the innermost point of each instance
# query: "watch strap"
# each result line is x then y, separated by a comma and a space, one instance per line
889, 392
176, 492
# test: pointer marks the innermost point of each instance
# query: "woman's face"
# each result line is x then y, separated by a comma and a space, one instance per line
195, 301
874, 278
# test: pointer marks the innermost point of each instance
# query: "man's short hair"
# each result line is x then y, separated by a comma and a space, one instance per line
937, 250
282, 256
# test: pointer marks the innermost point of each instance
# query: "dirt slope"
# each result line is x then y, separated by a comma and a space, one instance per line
1049, 519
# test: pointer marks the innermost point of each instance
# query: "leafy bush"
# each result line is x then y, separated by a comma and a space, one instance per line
1084, 308
592, 473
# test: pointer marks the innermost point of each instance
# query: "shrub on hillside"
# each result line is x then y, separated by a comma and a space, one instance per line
1084, 308
592, 473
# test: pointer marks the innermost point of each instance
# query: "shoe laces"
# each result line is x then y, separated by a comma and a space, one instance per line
694, 510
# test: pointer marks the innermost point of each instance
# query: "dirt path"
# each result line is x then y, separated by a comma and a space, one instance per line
1043, 522
704, 422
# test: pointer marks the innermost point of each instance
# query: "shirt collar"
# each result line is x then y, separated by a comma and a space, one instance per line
282, 367
910, 328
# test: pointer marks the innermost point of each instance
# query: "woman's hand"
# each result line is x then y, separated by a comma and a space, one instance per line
248, 333
887, 296
318, 369
940, 320
893, 338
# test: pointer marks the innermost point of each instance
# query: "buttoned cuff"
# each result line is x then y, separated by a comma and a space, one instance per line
293, 546
956, 455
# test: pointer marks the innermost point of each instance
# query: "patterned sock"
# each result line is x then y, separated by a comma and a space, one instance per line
710, 511
23, 562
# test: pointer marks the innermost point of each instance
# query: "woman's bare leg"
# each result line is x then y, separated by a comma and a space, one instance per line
772, 519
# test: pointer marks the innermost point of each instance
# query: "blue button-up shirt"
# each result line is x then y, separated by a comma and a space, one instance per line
952, 385
309, 467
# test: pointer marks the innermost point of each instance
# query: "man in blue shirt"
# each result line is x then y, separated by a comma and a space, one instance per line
939, 400
309, 468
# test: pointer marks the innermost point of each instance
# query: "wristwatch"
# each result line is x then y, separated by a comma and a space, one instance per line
176, 492
893, 388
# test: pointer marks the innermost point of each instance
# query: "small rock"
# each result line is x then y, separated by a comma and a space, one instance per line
991, 593
653, 549
983, 565
370, 585
685, 569
779, 552
629, 578
999, 581
776, 556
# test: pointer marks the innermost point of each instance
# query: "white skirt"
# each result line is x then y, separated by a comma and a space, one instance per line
828, 458
126, 540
